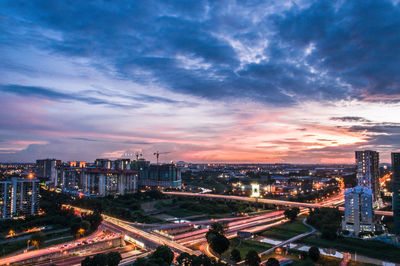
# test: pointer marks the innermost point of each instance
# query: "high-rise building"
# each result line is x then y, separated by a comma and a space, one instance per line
358, 214
103, 182
103, 163
68, 178
367, 163
46, 169
165, 175
396, 191
18, 197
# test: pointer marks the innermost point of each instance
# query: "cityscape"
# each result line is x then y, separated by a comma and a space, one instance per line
200, 133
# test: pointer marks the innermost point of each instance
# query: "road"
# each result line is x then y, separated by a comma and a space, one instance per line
240, 198
293, 239
49, 250
331, 202
125, 225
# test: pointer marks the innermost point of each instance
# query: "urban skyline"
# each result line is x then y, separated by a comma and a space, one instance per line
268, 82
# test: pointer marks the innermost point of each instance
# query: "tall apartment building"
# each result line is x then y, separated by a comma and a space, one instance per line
367, 163
396, 191
358, 214
69, 178
18, 197
103, 182
165, 175
46, 169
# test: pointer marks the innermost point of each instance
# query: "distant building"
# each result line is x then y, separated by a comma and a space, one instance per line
18, 197
103, 163
396, 191
165, 175
69, 178
367, 163
358, 214
103, 182
46, 169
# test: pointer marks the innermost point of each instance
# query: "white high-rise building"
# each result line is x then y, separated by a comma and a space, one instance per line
367, 163
358, 214
18, 197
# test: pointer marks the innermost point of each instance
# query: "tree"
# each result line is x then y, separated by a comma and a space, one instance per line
94, 219
113, 258
219, 243
184, 259
252, 258
218, 228
38, 239
272, 262
87, 262
164, 253
100, 259
235, 255
291, 214
85, 225
313, 253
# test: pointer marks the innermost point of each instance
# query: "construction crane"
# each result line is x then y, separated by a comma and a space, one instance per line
157, 154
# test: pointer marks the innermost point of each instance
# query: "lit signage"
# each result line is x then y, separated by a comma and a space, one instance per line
255, 190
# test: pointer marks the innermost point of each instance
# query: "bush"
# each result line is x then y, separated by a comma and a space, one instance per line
313, 253
252, 258
235, 255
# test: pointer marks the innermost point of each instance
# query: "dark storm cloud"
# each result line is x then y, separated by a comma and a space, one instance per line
354, 45
358, 42
350, 119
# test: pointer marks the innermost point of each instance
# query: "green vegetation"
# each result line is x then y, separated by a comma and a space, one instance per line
292, 213
235, 255
184, 207
244, 246
287, 230
327, 221
87, 225
314, 253
37, 239
369, 248
252, 258
109, 259
186, 259
127, 207
216, 239
163, 256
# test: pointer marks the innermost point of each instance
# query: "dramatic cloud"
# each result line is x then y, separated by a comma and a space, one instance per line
300, 81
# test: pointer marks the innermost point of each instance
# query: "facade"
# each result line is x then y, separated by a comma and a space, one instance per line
396, 191
46, 169
165, 175
358, 214
103, 182
19, 197
367, 163
68, 178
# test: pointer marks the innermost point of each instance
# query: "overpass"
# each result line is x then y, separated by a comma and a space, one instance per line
126, 226
331, 202
249, 199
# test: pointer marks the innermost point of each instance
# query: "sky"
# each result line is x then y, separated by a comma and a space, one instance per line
296, 81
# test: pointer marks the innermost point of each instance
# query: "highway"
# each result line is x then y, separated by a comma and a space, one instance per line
331, 202
56, 248
249, 199
125, 225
